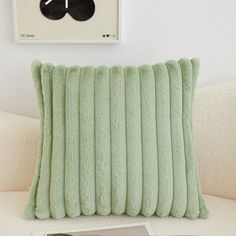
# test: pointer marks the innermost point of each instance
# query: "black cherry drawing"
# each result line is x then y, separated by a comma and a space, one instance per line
79, 10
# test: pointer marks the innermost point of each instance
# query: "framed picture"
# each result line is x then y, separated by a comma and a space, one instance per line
67, 21
140, 229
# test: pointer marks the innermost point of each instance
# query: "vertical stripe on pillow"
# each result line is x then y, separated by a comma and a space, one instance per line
177, 140
165, 172
31, 203
87, 152
192, 210
42, 200
102, 141
203, 210
72, 158
57, 193
118, 140
149, 141
133, 141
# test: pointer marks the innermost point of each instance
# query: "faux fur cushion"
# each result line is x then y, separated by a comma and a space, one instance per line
116, 140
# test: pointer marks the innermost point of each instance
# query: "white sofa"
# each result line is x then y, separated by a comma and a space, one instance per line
215, 149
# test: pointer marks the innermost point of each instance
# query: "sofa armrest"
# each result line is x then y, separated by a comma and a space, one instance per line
18, 146
215, 138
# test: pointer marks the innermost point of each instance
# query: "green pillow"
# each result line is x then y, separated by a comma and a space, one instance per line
116, 140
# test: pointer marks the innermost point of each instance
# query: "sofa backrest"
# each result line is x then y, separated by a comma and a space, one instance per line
215, 138
214, 143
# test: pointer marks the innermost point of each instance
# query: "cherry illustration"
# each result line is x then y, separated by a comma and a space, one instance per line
79, 10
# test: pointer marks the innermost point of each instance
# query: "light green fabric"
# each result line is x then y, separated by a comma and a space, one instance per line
116, 140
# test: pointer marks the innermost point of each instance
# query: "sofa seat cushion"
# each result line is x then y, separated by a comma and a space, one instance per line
221, 220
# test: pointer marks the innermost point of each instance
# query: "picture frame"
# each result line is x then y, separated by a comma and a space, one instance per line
31, 26
144, 229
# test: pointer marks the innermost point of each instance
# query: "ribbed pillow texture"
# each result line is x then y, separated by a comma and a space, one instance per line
116, 141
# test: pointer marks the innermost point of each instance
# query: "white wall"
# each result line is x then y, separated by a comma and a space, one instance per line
154, 31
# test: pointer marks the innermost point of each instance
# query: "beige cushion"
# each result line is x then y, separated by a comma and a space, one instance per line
221, 220
18, 147
215, 138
